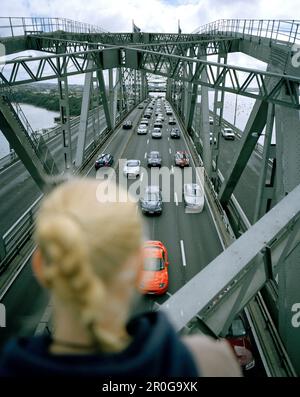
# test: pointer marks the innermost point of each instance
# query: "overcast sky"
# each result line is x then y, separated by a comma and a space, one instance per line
153, 15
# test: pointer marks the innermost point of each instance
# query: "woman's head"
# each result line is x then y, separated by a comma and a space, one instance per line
90, 250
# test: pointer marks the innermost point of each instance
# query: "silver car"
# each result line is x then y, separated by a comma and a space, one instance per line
142, 129
132, 168
151, 203
227, 133
193, 195
156, 133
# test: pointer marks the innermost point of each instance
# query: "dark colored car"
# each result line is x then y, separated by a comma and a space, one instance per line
182, 159
239, 339
175, 133
154, 159
127, 125
104, 160
151, 203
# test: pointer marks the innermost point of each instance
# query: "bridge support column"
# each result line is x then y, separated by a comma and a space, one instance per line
204, 129
65, 120
96, 108
169, 89
21, 142
288, 147
103, 97
122, 102
111, 95
218, 117
143, 85
266, 190
289, 295
86, 98
117, 89
287, 178
135, 91
193, 94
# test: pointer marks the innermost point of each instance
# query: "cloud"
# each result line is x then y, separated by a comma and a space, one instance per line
152, 15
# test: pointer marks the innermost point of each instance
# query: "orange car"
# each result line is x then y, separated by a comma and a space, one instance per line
154, 278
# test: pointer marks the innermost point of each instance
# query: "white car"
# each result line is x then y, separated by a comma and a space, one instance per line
227, 133
132, 168
158, 124
144, 121
193, 197
142, 129
211, 120
156, 133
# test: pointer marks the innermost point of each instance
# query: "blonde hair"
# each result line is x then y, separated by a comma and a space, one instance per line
84, 243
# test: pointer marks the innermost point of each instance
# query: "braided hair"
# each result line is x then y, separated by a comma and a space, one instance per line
84, 241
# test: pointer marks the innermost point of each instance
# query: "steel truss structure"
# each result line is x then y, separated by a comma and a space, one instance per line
238, 80
116, 66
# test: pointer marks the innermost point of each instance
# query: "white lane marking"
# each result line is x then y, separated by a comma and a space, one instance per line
172, 169
170, 151
147, 141
182, 253
176, 198
168, 293
197, 135
142, 176
145, 155
168, 138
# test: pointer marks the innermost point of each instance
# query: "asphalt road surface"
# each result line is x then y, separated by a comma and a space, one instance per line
191, 239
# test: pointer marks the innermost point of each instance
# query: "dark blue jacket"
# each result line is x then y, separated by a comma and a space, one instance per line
156, 350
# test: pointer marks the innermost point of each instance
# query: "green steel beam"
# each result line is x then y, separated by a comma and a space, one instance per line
238, 80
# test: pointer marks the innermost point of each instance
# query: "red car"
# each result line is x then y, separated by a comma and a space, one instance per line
240, 341
155, 278
182, 159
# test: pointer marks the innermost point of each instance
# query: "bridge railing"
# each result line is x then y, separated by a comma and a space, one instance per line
275, 30
17, 236
21, 231
20, 26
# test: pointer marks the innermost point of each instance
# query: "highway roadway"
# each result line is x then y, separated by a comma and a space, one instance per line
191, 239
18, 190
248, 184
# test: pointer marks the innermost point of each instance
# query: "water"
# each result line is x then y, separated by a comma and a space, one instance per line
38, 118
